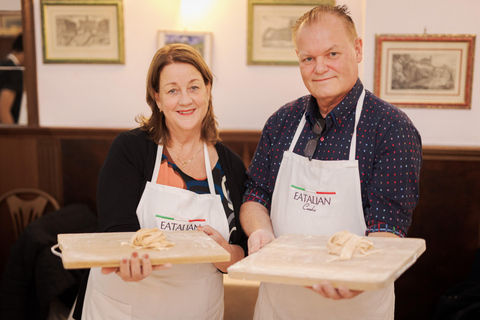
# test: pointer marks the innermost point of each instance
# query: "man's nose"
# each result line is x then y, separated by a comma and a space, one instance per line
320, 66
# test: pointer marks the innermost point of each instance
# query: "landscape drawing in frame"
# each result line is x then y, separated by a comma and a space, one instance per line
82, 31
269, 32
425, 71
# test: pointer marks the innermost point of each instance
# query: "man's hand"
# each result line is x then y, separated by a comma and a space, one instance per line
258, 239
326, 290
255, 220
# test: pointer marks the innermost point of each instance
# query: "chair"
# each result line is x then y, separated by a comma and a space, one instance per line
26, 205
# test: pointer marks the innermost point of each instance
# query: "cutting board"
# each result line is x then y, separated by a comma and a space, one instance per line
87, 250
302, 260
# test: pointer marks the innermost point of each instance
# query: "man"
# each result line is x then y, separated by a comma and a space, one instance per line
357, 155
11, 83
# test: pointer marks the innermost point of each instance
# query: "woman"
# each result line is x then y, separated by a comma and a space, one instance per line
172, 166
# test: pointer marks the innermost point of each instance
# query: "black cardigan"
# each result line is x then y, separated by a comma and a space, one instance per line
129, 165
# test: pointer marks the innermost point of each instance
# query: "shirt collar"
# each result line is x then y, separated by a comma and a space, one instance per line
340, 112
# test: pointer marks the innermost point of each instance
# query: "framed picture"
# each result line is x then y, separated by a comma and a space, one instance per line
269, 30
10, 23
201, 41
82, 31
425, 71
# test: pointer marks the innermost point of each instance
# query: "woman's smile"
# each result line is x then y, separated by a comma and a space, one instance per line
186, 112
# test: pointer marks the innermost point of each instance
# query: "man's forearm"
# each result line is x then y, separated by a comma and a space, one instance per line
383, 234
254, 216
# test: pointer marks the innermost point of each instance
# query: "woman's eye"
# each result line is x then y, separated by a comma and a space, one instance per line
194, 88
172, 91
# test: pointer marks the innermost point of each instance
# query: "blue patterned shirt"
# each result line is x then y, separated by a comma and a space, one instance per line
388, 150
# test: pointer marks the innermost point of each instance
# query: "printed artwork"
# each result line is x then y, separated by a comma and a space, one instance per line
426, 71
78, 31
269, 31
200, 41
276, 31
196, 41
82, 30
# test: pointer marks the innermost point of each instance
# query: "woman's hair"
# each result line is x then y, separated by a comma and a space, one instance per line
315, 14
155, 125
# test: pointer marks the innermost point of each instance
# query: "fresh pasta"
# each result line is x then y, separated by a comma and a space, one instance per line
149, 239
344, 244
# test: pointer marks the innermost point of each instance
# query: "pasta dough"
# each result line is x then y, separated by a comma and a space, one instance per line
344, 244
149, 239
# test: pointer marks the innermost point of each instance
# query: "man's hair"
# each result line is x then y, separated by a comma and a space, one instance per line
315, 14
18, 44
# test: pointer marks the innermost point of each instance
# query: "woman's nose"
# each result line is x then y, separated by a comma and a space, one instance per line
185, 99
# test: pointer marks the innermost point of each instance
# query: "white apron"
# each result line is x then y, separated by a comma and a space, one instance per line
189, 291
319, 197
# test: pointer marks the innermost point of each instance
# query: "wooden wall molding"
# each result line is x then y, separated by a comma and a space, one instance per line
66, 161
430, 152
451, 153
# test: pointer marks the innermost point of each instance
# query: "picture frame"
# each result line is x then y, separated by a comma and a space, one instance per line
425, 70
10, 23
201, 41
269, 38
89, 31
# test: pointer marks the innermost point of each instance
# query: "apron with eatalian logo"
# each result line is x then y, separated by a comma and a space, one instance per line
319, 197
189, 291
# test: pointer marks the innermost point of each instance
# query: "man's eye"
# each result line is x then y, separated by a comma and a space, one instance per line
333, 54
309, 59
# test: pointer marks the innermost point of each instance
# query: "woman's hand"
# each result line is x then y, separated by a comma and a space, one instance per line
133, 270
236, 252
214, 234
326, 290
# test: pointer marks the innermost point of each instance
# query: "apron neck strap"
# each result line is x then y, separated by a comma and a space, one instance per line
358, 111
297, 133
208, 168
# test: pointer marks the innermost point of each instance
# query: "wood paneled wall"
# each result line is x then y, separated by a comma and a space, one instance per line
65, 162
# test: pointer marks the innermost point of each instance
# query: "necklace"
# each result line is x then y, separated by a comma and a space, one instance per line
184, 163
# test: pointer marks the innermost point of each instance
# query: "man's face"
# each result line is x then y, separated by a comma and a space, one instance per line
328, 60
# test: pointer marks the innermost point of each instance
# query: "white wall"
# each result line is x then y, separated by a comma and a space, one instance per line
112, 95
8, 5
244, 96
101, 95
446, 127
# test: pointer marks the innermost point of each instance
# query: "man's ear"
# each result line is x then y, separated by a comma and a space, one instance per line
359, 49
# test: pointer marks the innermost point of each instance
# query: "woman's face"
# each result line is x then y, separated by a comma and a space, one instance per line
183, 98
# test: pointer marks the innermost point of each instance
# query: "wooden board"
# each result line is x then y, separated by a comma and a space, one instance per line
87, 250
302, 260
